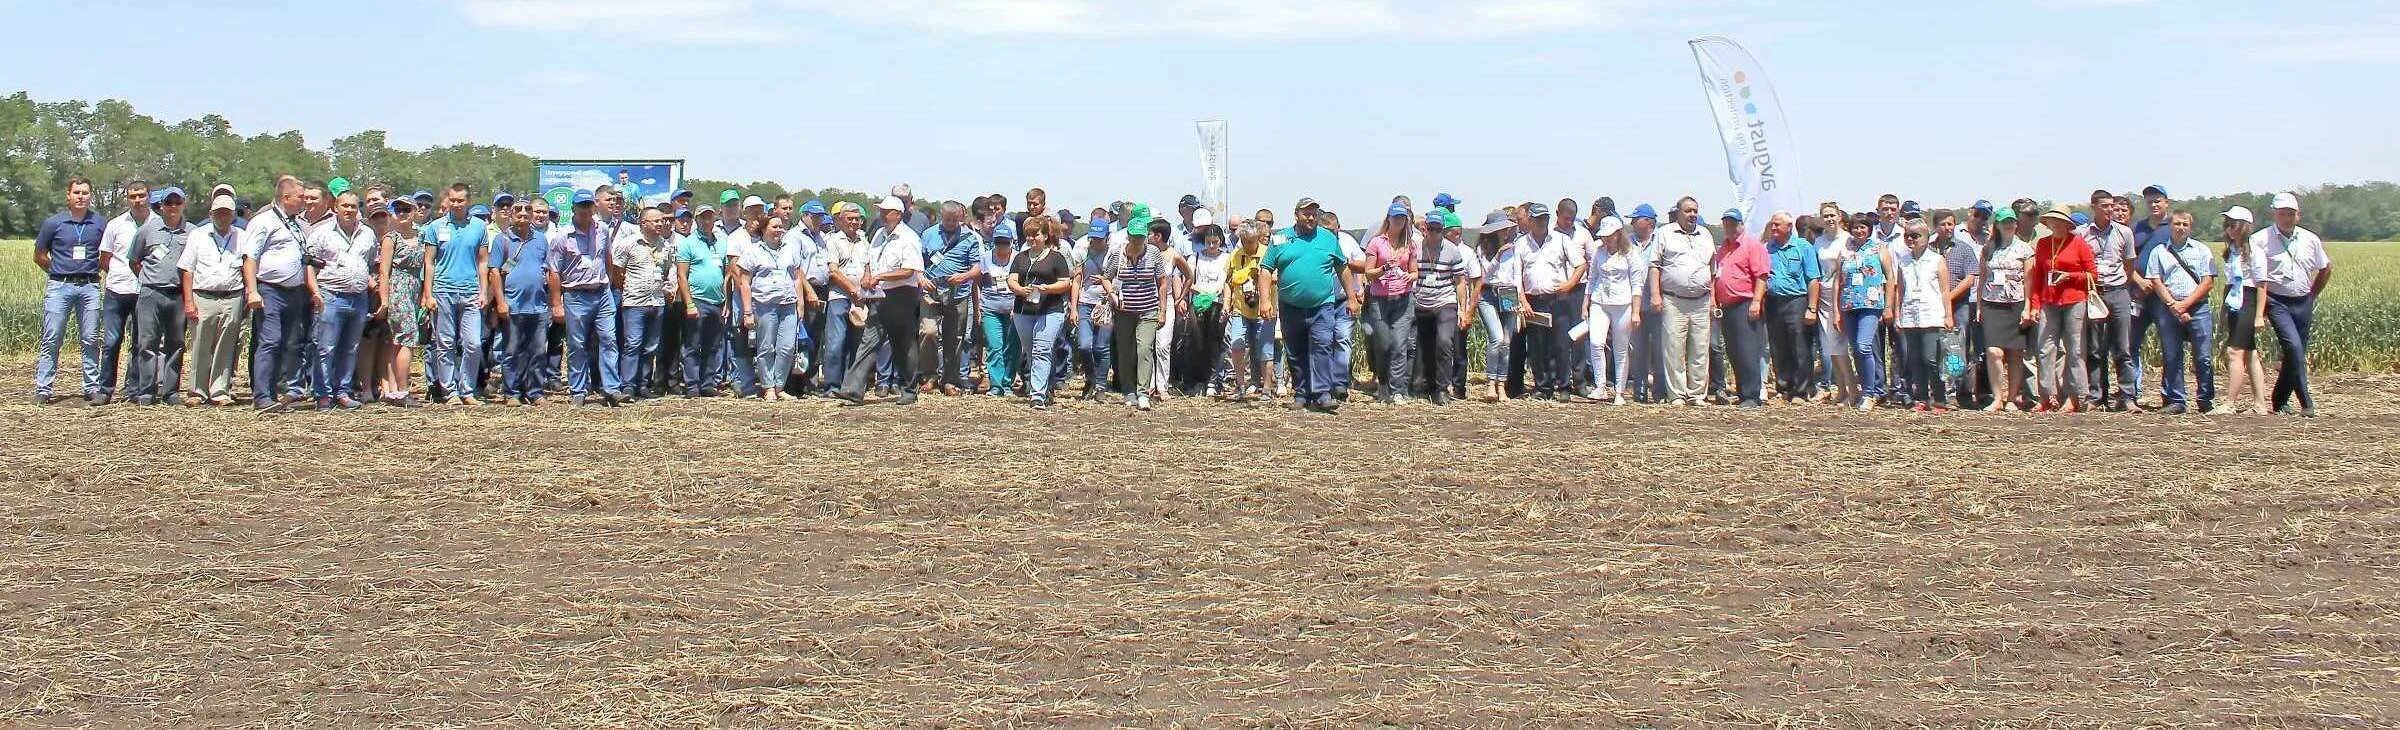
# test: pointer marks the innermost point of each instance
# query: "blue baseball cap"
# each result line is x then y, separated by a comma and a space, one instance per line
1433, 218
1396, 210
1911, 208
1645, 211
1444, 200
480, 212
1099, 230
680, 194
813, 206
582, 197
1732, 214
2080, 219
1537, 210
1983, 205
422, 195
683, 213
1005, 231
503, 199
2158, 190
161, 195
1066, 216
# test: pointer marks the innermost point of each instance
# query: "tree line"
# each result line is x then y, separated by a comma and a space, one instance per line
43, 143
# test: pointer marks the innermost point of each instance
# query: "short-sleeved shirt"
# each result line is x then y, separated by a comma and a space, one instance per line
847, 255
1093, 273
116, 240
157, 250
344, 258
950, 254
1682, 261
1394, 257
1241, 278
1438, 274
1863, 275
1137, 276
2006, 264
2112, 249
1966, 259
1547, 263
278, 243
2292, 261
645, 265
992, 294
214, 259
1307, 268
771, 270
457, 254
894, 249
579, 258
73, 243
706, 257
1739, 265
2176, 266
2242, 270
1037, 271
524, 265
1792, 265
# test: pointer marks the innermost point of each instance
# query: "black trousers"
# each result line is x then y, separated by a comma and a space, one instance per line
1743, 341
894, 323
1788, 342
1438, 353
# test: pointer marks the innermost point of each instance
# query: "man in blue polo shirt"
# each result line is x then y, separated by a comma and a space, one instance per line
1792, 291
455, 287
520, 258
1309, 275
67, 247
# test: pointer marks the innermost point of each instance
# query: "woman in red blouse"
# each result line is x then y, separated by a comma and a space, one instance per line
2058, 284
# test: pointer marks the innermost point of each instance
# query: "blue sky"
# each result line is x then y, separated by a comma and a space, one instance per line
1350, 101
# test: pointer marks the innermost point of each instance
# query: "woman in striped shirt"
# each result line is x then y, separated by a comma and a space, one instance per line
1134, 277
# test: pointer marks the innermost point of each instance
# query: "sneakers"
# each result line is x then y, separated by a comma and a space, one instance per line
907, 398
1142, 402
2175, 409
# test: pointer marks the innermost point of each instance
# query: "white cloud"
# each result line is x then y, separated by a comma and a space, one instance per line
766, 22
2373, 43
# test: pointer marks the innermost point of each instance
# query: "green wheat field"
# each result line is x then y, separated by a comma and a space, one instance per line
2358, 322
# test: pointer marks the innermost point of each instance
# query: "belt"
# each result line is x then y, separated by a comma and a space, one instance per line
216, 294
585, 289
76, 278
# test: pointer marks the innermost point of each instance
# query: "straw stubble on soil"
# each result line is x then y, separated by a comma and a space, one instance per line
968, 562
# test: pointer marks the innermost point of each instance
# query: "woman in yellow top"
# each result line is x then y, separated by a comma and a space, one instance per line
1245, 327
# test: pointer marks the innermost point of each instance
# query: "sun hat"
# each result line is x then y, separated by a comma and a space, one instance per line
1495, 222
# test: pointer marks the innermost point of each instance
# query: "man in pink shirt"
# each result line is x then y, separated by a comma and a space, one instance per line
1740, 289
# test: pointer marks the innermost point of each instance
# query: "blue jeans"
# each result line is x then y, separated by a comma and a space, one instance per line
2174, 337
703, 347
457, 343
1313, 336
834, 353
1039, 334
1000, 343
1097, 342
1345, 327
741, 356
775, 336
1865, 328
528, 346
1498, 328
338, 328
1257, 334
638, 352
591, 340
61, 300
282, 322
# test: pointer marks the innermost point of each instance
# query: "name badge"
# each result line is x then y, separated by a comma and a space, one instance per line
441, 235
77, 253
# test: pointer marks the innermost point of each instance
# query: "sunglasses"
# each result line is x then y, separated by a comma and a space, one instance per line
1914, 236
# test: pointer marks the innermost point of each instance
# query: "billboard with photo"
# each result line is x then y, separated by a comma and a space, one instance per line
645, 182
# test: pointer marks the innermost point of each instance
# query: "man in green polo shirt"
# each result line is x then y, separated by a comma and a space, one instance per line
1307, 275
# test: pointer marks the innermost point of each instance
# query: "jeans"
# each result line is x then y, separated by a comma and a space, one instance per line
739, 356
1965, 342
1312, 336
61, 300
216, 341
1499, 327
1257, 335
158, 343
1611, 333
116, 318
1864, 327
2061, 347
2175, 337
637, 351
2292, 318
1924, 364
833, 353
1648, 359
528, 345
1437, 339
1000, 349
1388, 321
338, 328
1787, 342
275, 366
892, 321
1686, 351
703, 346
458, 343
1039, 334
591, 341
1097, 339
2110, 343
1345, 327
775, 337
1743, 345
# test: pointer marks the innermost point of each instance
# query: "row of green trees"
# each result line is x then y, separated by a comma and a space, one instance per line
43, 143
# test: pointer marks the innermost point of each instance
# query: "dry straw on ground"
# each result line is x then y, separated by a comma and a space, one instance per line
972, 563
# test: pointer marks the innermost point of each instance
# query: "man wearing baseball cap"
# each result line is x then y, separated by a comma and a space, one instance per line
729, 215
212, 300
894, 264
154, 376
1649, 374
582, 299
2297, 270
1307, 277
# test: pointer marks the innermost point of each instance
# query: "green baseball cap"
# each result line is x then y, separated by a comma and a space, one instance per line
338, 186
2004, 215
728, 196
1137, 223
1450, 217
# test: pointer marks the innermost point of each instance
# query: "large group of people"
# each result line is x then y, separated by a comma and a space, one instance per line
337, 287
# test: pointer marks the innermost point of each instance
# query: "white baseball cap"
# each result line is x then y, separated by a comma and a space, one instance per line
903, 191
2238, 213
754, 202
2287, 201
891, 203
1609, 226
221, 202
1203, 217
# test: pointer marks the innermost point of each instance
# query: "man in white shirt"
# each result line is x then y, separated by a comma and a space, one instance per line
1553, 265
895, 261
213, 289
2297, 270
844, 257
639, 264
276, 284
1680, 281
340, 255
121, 291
